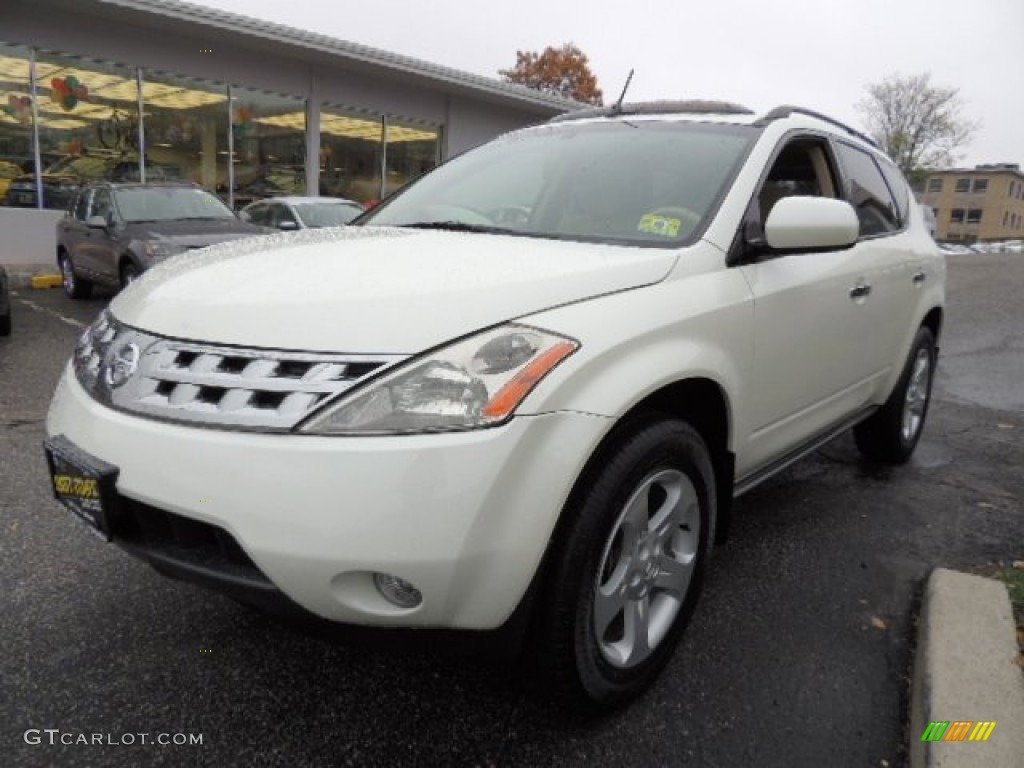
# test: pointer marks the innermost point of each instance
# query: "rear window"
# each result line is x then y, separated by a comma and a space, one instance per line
867, 190
898, 187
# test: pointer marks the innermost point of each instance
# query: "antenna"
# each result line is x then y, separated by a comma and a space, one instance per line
617, 107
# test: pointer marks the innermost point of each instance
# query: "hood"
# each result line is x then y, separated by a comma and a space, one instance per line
194, 233
367, 290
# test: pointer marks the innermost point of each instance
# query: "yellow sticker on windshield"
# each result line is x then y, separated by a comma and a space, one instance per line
666, 226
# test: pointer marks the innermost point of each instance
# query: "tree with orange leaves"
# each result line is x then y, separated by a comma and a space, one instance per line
561, 72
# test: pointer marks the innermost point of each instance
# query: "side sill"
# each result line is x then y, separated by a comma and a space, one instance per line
757, 477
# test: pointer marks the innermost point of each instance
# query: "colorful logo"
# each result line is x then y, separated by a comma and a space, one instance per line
20, 108
67, 92
958, 730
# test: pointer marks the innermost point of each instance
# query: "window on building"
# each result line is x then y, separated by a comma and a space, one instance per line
88, 124
956, 216
980, 185
351, 155
963, 185
935, 184
1006, 217
270, 145
868, 192
186, 131
974, 216
16, 155
410, 151
1012, 188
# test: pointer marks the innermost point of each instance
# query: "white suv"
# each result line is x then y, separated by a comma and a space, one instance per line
528, 385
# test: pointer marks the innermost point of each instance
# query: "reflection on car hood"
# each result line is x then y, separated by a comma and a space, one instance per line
373, 289
195, 233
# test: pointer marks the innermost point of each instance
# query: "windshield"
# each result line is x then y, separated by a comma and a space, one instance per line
316, 215
166, 203
646, 182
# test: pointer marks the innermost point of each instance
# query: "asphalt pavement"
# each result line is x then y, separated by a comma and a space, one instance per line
799, 653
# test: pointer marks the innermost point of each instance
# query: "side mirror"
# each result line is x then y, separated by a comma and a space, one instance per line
96, 222
288, 225
811, 224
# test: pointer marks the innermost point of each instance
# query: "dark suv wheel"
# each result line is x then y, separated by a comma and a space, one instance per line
74, 286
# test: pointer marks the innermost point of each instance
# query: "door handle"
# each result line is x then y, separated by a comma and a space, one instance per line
860, 290
919, 277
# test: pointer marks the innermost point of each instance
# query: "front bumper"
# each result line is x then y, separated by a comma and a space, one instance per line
465, 517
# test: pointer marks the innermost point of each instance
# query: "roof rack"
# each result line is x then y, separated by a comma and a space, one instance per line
692, 107
788, 109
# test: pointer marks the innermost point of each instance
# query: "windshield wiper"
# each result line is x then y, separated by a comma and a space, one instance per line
461, 226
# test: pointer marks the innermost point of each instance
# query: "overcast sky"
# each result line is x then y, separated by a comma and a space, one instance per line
761, 53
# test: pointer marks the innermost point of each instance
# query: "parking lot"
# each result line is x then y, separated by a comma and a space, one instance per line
799, 654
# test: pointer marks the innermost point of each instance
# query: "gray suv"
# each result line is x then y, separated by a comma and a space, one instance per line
111, 232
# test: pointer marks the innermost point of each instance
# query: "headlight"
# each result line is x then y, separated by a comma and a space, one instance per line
161, 249
477, 382
91, 350
107, 356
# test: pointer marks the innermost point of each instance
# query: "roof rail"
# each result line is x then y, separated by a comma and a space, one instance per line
692, 107
788, 109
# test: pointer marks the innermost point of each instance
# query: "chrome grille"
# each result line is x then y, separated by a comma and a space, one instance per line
215, 386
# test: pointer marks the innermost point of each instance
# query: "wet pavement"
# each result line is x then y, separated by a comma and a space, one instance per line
799, 653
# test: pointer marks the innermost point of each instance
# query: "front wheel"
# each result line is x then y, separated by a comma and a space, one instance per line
75, 287
629, 565
891, 434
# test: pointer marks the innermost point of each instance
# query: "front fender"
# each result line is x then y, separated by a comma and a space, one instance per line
637, 342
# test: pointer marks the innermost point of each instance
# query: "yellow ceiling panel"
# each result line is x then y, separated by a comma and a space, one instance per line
12, 68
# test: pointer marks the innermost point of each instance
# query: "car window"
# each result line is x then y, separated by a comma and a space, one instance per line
642, 182
898, 187
801, 168
101, 205
867, 192
158, 203
82, 205
256, 214
315, 215
281, 215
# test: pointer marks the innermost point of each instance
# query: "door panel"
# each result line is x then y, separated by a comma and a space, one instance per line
812, 349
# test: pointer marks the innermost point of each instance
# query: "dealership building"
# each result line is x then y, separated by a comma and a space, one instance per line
130, 90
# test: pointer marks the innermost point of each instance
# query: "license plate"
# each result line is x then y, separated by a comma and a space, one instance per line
83, 484
23, 198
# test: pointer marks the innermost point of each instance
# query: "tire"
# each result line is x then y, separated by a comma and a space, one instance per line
5, 324
890, 435
75, 287
129, 273
613, 612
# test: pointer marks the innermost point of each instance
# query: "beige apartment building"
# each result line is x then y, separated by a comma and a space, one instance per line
981, 203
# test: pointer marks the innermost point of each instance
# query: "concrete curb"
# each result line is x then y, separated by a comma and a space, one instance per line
32, 276
965, 670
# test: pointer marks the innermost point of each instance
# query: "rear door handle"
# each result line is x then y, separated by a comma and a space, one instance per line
919, 277
860, 290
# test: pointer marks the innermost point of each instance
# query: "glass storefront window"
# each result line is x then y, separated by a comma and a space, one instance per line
412, 150
186, 125
16, 156
270, 145
88, 124
350, 155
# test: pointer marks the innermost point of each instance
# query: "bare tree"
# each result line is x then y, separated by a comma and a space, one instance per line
920, 125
